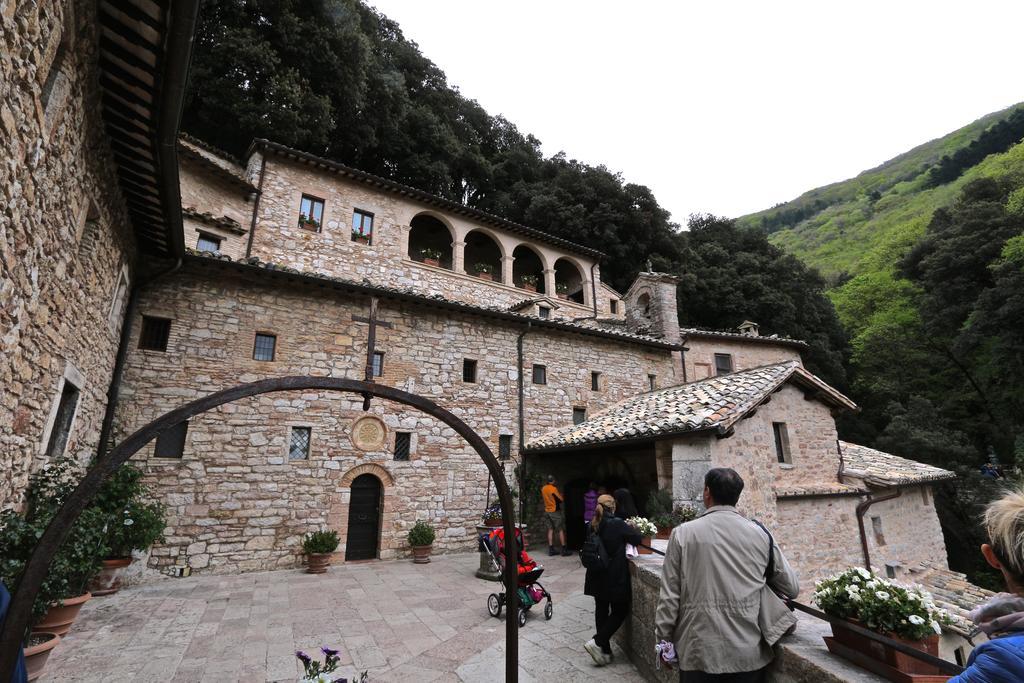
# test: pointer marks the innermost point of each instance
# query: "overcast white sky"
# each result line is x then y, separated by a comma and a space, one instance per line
726, 107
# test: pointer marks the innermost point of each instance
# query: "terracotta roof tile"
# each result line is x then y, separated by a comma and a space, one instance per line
952, 592
885, 469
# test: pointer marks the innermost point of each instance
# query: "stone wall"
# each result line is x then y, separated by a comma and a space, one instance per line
910, 530
746, 354
651, 306
819, 536
236, 501
210, 194
65, 242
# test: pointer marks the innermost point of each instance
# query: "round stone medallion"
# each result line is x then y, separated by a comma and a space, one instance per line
369, 433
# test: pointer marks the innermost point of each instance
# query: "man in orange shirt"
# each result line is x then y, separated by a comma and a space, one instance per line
554, 516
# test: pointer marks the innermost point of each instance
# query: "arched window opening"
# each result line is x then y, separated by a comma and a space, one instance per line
528, 270
644, 304
430, 242
483, 256
568, 281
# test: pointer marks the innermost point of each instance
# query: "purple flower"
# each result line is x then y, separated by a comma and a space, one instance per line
303, 657
328, 651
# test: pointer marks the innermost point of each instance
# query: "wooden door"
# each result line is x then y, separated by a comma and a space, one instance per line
363, 518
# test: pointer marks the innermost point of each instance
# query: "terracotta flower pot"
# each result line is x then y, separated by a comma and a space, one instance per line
563, 295
317, 563
421, 553
108, 581
665, 533
493, 521
528, 287
885, 654
646, 540
60, 617
36, 654
360, 239
485, 276
432, 262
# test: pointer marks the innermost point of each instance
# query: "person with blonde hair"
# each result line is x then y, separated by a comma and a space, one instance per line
1001, 659
610, 584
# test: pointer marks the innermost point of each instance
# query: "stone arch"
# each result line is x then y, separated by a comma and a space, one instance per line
570, 283
20, 608
529, 263
367, 468
430, 236
481, 247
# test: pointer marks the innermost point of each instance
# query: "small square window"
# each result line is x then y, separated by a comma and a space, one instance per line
595, 381
171, 443
298, 443
468, 370
544, 312
403, 444
61, 428
723, 363
876, 527
781, 442
652, 382
208, 243
264, 347
377, 366
579, 415
155, 333
362, 226
311, 213
540, 374
615, 306
504, 446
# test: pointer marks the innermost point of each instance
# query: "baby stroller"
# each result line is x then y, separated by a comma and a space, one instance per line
530, 592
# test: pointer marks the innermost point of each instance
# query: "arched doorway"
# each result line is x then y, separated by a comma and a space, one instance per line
362, 541
430, 241
569, 281
528, 270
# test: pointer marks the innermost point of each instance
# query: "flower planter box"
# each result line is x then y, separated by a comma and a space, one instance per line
563, 295
421, 553
317, 563
528, 287
360, 239
60, 617
882, 659
108, 581
646, 540
38, 651
664, 534
432, 262
485, 276
309, 225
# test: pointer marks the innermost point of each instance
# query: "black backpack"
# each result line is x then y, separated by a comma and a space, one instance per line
594, 555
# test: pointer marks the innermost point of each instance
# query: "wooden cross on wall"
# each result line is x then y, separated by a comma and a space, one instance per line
371, 344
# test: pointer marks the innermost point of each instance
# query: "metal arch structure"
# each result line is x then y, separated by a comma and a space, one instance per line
19, 613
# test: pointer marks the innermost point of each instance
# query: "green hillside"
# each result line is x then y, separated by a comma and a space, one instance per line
857, 224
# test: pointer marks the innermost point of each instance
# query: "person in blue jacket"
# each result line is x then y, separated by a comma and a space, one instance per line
20, 675
1001, 659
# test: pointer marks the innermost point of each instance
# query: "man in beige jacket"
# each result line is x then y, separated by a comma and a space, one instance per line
716, 604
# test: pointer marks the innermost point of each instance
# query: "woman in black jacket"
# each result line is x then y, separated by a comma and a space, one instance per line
611, 587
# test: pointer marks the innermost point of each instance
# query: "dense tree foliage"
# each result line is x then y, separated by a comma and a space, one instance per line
999, 138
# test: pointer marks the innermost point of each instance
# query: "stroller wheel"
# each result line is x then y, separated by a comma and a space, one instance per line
522, 617
549, 610
494, 605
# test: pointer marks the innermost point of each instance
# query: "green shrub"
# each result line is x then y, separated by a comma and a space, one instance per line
421, 534
132, 522
659, 503
320, 542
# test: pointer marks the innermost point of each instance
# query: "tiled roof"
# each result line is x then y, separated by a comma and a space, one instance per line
824, 489
885, 469
716, 403
410, 294
214, 160
952, 592
223, 222
729, 335
419, 195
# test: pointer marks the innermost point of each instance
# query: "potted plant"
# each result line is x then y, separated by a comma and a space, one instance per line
318, 546
646, 529
37, 651
421, 539
528, 282
907, 615
668, 521
484, 271
431, 256
315, 672
562, 290
358, 236
133, 522
309, 223
492, 515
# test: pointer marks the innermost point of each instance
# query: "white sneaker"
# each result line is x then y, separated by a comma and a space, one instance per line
598, 655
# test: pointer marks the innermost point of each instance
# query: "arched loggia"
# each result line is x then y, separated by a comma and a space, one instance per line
20, 609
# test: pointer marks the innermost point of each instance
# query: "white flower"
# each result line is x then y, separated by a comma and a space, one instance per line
853, 588
916, 620
870, 584
935, 626
882, 595
864, 572
129, 522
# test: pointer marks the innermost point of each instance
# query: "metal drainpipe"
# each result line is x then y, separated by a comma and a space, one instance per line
114, 390
522, 419
256, 205
842, 464
862, 508
593, 286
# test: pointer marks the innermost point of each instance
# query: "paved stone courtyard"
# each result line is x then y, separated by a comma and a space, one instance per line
397, 620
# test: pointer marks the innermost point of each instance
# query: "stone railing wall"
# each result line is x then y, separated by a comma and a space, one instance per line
800, 657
